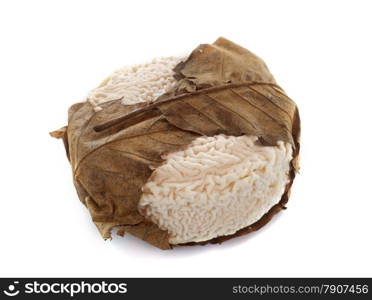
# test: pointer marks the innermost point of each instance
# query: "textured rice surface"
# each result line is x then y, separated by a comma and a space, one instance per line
138, 83
216, 186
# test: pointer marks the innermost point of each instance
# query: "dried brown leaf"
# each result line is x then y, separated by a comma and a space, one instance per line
221, 88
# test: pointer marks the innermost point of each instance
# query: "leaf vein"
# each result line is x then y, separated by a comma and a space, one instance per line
233, 111
258, 108
205, 115
282, 109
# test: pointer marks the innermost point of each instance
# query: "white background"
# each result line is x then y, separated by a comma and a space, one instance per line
53, 52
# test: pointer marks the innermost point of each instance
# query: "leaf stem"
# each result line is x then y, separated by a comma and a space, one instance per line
155, 105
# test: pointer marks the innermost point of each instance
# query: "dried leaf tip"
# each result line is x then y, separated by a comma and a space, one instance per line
59, 133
